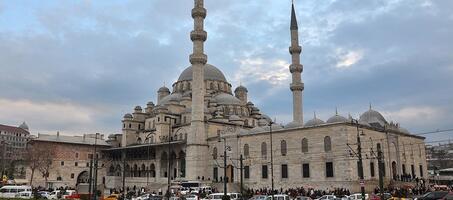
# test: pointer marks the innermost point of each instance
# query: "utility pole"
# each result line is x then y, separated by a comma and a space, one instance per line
90, 184
272, 160
241, 159
360, 165
123, 155
3, 159
169, 156
381, 174
224, 168
95, 166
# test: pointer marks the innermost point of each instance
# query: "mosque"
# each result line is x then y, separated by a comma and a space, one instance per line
184, 134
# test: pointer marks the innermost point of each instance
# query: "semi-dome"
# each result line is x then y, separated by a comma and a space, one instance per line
24, 126
314, 122
210, 73
373, 118
337, 119
224, 98
294, 124
171, 97
257, 129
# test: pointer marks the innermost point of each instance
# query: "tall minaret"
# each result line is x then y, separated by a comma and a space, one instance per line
197, 144
297, 86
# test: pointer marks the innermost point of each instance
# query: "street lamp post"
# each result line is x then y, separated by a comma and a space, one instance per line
3, 158
169, 155
360, 164
272, 160
95, 157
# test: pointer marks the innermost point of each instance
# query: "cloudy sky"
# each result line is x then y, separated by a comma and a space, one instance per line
78, 66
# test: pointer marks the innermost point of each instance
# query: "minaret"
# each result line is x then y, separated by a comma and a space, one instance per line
297, 86
197, 145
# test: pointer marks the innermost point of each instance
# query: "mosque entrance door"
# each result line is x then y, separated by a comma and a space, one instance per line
83, 177
230, 173
394, 170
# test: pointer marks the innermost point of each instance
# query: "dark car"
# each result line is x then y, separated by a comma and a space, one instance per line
434, 195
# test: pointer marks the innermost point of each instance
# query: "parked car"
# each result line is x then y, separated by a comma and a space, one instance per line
278, 197
378, 196
55, 195
24, 195
302, 198
215, 196
70, 194
10, 191
155, 197
433, 195
191, 197
112, 197
235, 196
263, 197
327, 197
44, 194
357, 196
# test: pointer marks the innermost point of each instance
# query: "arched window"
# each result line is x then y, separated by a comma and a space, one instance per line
139, 140
283, 147
304, 145
246, 150
214, 153
327, 144
152, 170
264, 150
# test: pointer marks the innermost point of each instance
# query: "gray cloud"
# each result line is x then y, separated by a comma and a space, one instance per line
109, 57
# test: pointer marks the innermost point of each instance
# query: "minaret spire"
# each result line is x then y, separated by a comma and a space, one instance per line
197, 145
297, 86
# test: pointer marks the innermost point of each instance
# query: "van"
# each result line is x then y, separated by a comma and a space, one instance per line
10, 191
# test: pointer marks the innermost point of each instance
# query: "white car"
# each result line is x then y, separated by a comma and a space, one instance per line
54, 194
142, 197
10, 191
191, 197
357, 196
68, 193
278, 197
24, 195
44, 194
236, 196
327, 197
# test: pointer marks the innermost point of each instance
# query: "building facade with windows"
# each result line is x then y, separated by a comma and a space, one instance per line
183, 136
69, 160
13, 141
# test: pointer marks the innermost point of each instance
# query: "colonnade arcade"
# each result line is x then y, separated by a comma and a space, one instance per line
148, 161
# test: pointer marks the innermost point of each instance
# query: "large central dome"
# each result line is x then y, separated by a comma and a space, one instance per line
210, 73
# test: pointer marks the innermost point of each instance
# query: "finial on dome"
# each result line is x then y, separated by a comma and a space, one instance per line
314, 114
370, 106
336, 110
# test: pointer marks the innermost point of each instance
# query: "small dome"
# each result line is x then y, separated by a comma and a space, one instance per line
266, 117
172, 97
112, 136
314, 122
373, 118
257, 129
138, 108
294, 125
128, 116
403, 130
150, 104
210, 73
337, 119
243, 132
241, 88
235, 118
275, 127
263, 122
163, 89
228, 99
24, 126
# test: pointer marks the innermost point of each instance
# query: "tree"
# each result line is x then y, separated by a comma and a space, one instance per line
45, 160
33, 158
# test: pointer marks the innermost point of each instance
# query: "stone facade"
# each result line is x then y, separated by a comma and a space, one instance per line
70, 158
191, 126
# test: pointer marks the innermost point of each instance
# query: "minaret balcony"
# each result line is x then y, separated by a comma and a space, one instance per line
296, 68
296, 49
198, 35
297, 86
198, 59
199, 12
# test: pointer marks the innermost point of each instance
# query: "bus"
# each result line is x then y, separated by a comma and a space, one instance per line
10, 191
